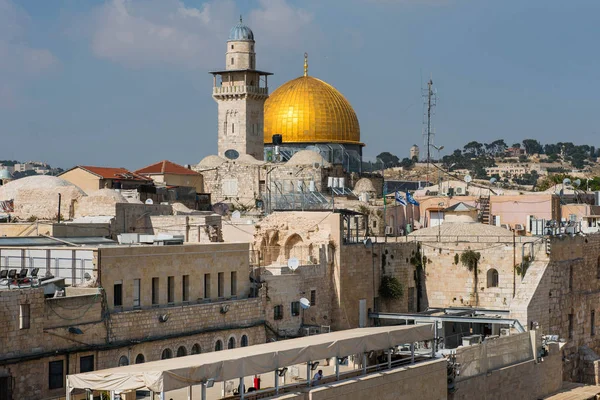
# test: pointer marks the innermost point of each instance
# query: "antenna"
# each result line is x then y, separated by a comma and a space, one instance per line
430, 97
293, 264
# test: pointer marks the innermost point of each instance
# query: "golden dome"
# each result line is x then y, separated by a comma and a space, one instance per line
308, 110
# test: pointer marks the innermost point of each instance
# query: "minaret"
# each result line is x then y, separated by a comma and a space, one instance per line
240, 92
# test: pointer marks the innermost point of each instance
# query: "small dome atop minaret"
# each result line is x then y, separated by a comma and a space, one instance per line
240, 32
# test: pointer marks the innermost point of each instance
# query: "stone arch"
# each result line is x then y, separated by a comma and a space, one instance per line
196, 349
492, 278
231, 343
166, 354
181, 351
244, 342
123, 361
140, 359
293, 247
272, 249
219, 345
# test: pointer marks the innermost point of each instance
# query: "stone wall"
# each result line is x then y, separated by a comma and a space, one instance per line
524, 380
121, 265
425, 380
194, 228
283, 288
357, 276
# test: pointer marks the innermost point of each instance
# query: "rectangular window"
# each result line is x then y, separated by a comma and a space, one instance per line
86, 364
233, 283
313, 298
570, 326
220, 284
55, 374
593, 322
570, 277
185, 289
171, 289
278, 312
155, 291
207, 286
295, 308
118, 294
231, 60
136, 292
24, 316
232, 127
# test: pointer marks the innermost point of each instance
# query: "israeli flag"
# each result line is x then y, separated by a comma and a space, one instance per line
411, 199
400, 199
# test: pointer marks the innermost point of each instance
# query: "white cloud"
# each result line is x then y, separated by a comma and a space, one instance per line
138, 33
19, 62
280, 25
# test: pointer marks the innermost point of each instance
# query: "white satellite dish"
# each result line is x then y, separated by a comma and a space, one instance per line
149, 201
493, 180
304, 303
236, 215
566, 181
468, 178
293, 264
577, 182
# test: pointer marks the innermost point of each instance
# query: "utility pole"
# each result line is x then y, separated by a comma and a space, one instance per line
431, 100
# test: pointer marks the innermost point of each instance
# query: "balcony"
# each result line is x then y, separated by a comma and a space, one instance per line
240, 90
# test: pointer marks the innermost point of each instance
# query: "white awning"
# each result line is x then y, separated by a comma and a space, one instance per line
177, 373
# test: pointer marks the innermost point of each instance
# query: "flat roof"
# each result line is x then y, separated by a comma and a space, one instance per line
24, 241
181, 372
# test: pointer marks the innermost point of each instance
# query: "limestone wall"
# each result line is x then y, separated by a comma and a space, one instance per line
194, 228
121, 265
425, 380
525, 380
357, 275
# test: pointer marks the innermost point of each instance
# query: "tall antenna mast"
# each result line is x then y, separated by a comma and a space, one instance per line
431, 101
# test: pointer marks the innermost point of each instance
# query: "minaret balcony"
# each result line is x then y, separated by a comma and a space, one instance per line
240, 90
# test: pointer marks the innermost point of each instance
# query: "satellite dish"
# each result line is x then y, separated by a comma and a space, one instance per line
493, 180
577, 182
220, 208
293, 264
468, 178
368, 243
304, 303
236, 215
232, 154
566, 181
149, 201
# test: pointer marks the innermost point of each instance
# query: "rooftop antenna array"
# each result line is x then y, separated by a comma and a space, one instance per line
430, 96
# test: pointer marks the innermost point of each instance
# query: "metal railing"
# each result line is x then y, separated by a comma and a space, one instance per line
240, 89
75, 271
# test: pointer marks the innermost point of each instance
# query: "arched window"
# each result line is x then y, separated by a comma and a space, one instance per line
492, 278
166, 354
218, 345
196, 349
140, 359
231, 343
181, 351
123, 361
244, 341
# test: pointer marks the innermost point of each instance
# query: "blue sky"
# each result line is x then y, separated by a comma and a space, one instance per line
125, 82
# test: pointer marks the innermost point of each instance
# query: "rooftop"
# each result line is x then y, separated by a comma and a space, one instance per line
112, 173
165, 167
46, 241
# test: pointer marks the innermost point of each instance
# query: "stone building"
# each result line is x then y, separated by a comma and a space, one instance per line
340, 277
136, 304
167, 173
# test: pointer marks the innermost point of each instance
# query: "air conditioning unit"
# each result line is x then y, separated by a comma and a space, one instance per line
389, 230
505, 226
519, 227
504, 331
471, 340
459, 190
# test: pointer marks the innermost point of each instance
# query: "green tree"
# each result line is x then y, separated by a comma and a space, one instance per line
532, 146
388, 159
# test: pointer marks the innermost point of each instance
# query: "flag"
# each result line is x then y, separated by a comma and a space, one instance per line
7, 206
400, 199
411, 199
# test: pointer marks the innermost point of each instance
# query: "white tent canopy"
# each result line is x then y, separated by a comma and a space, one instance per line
177, 373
